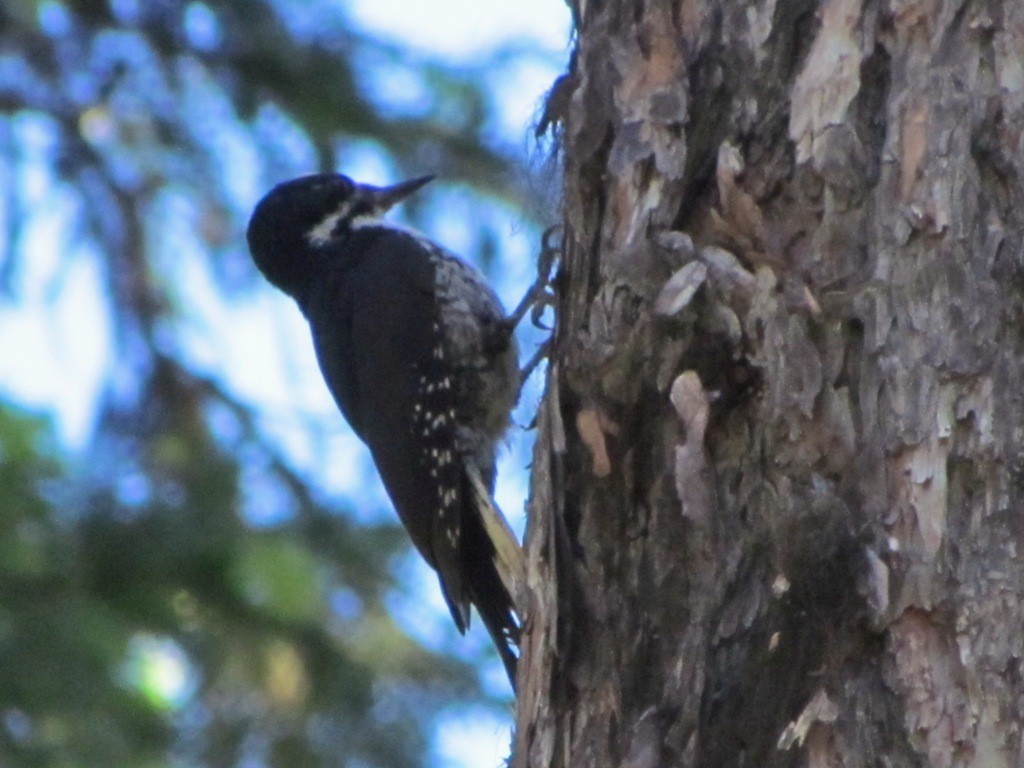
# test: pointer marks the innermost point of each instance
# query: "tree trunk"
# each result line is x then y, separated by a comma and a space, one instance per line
777, 516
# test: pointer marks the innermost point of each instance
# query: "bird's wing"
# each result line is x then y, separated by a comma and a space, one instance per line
383, 360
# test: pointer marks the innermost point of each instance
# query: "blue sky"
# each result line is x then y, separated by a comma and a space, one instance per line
461, 28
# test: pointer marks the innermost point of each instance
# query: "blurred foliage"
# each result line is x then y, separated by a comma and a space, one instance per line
143, 620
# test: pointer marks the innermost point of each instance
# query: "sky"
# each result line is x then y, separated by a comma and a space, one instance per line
61, 373
463, 28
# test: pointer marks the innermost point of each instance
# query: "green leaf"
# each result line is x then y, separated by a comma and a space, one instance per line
280, 577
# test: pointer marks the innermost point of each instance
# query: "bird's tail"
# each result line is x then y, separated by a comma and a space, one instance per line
497, 572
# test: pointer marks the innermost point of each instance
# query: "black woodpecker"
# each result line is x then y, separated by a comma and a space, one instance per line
416, 350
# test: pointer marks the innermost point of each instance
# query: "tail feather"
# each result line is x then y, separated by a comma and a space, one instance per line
501, 624
509, 562
495, 571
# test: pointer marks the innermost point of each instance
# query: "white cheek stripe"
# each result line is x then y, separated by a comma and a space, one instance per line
366, 220
321, 233
373, 219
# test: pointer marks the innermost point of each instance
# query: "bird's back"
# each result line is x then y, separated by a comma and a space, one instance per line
410, 337
416, 351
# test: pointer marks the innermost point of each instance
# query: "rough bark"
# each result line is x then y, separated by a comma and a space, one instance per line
778, 501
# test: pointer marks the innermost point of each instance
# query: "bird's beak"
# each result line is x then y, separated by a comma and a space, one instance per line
383, 198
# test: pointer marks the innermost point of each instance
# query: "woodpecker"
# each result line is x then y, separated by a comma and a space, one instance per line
420, 359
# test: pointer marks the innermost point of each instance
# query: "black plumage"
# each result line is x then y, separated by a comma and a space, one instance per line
415, 349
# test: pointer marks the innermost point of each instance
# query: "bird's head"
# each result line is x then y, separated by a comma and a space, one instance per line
297, 218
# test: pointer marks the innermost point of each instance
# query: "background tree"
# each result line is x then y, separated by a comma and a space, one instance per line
777, 505
180, 587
